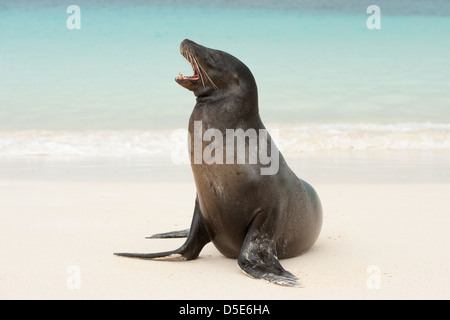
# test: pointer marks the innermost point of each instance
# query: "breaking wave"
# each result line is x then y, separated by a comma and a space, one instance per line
291, 140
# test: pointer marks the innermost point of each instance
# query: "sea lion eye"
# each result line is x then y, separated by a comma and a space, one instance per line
212, 57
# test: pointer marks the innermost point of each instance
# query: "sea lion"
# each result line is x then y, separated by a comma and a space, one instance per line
254, 217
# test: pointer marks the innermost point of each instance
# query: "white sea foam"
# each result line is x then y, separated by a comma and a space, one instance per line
291, 140
92, 143
365, 137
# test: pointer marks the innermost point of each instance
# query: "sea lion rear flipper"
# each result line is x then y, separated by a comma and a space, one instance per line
258, 258
197, 239
170, 235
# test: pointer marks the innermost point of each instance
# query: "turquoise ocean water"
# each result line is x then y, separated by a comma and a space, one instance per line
323, 77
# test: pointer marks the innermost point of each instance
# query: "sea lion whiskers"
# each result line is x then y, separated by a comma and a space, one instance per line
192, 59
202, 72
198, 68
210, 80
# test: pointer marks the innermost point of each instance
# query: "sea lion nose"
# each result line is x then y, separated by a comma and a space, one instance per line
189, 44
186, 42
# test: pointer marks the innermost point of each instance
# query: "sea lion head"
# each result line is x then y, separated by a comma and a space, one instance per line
215, 73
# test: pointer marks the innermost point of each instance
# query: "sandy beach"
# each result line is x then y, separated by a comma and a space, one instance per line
380, 240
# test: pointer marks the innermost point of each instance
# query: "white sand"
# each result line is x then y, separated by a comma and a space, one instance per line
46, 227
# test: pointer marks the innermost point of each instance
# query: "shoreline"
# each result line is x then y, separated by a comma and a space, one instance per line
377, 166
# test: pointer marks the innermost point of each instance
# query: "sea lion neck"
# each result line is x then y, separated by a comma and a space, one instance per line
226, 109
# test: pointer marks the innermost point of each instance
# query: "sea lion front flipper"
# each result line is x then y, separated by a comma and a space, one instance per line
197, 239
170, 235
258, 258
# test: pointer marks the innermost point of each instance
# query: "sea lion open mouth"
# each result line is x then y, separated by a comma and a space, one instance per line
190, 57
194, 77
203, 65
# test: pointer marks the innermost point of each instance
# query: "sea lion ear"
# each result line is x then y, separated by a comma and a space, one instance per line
235, 78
